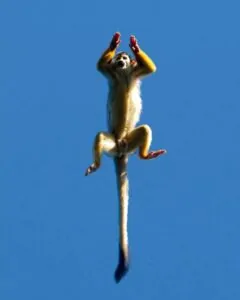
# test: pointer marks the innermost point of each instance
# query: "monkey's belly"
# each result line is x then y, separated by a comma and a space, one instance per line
124, 113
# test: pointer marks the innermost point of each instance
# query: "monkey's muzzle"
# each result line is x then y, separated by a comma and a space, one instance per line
120, 64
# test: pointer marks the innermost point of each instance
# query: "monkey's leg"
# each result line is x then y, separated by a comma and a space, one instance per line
103, 143
141, 137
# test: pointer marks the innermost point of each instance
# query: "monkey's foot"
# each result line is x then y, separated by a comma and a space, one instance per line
122, 268
154, 154
91, 169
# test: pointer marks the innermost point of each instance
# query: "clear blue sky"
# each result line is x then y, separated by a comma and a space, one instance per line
58, 229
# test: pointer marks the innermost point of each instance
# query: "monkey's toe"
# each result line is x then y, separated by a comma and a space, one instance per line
154, 154
91, 169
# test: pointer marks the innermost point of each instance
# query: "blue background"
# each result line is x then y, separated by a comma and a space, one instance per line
58, 229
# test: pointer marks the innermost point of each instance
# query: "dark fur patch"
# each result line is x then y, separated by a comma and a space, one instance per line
122, 268
123, 53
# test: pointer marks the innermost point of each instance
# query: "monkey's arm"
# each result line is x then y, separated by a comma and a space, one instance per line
145, 65
104, 63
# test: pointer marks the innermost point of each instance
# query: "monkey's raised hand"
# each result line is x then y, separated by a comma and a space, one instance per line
115, 41
134, 44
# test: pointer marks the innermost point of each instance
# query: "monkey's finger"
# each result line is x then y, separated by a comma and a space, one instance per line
116, 38
117, 34
133, 40
132, 48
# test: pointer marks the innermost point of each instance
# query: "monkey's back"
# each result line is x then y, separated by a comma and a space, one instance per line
124, 107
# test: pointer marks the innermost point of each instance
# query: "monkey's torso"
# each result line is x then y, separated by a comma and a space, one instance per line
124, 104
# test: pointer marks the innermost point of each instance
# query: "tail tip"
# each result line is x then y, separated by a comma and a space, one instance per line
123, 266
120, 272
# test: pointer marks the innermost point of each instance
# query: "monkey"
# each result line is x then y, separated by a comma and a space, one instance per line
124, 74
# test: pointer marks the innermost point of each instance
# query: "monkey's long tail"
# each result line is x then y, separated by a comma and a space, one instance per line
122, 184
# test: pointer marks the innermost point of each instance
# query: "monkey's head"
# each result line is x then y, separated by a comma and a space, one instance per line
122, 61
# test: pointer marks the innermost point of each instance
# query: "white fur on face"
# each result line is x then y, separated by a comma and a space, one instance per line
122, 61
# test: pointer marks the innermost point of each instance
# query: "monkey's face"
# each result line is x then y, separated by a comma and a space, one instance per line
122, 61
